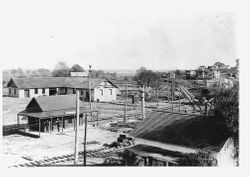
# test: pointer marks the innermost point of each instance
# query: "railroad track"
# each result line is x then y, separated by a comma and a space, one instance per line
98, 153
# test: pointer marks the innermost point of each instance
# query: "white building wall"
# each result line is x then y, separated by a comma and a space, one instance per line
39, 93
226, 154
12, 92
21, 93
106, 92
69, 91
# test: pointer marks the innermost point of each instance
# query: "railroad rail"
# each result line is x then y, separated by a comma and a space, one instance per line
97, 153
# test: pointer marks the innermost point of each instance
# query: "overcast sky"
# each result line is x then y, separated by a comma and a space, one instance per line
40, 34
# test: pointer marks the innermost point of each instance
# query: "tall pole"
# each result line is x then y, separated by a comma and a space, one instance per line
85, 139
90, 95
157, 97
172, 94
39, 127
77, 127
125, 103
167, 91
143, 102
179, 101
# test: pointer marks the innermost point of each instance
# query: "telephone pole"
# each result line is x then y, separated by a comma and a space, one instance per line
125, 103
90, 95
179, 100
85, 139
157, 97
143, 102
77, 127
172, 94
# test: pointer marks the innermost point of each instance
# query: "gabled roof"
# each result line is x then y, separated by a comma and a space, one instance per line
186, 130
50, 82
52, 103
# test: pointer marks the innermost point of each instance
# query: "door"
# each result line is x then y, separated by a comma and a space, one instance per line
52, 91
26, 93
87, 96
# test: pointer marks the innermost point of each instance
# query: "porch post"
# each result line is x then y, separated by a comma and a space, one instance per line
50, 124
62, 124
39, 127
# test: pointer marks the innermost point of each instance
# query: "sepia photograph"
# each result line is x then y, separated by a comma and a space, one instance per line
124, 87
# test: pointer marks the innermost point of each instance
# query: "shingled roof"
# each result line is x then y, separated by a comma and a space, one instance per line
50, 82
186, 130
51, 103
52, 106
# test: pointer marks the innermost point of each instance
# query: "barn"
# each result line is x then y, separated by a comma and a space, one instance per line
101, 89
163, 138
43, 113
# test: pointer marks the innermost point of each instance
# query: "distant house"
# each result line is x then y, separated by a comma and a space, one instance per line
79, 74
224, 68
220, 83
50, 110
101, 89
164, 137
216, 74
190, 74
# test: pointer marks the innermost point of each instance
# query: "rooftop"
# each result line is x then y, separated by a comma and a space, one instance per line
53, 106
186, 130
54, 82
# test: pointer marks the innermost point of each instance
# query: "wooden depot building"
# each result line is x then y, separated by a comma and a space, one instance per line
44, 114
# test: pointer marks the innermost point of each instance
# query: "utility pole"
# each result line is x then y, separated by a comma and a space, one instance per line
172, 94
77, 127
125, 103
157, 97
179, 100
143, 102
90, 95
167, 91
85, 139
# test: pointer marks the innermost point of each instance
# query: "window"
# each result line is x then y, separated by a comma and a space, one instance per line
70, 121
74, 91
81, 92
66, 90
36, 91
101, 92
9, 91
43, 91
110, 91
14, 91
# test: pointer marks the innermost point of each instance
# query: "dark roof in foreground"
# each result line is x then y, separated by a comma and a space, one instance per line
50, 82
52, 106
187, 130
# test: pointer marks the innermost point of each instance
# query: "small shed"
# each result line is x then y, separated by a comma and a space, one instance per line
47, 114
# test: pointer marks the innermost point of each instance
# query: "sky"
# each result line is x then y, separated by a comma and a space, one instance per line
37, 35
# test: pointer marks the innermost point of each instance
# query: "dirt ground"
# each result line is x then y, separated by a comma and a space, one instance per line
17, 148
